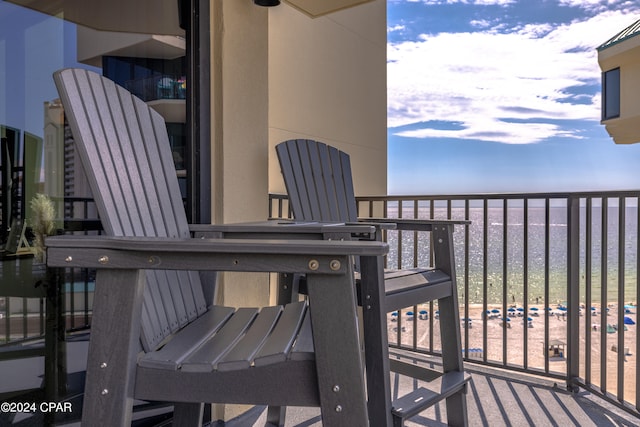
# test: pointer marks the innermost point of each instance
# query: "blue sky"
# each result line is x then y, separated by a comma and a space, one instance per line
502, 96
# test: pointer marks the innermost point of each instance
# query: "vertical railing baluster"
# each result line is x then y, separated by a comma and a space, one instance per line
416, 314
415, 235
7, 316
573, 292
466, 273
25, 318
431, 263
621, 258
485, 264
399, 234
504, 280
525, 278
42, 316
603, 292
385, 235
72, 297
547, 219
637, 350
588, 288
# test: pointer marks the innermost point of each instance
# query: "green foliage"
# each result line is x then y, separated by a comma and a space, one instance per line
43, 222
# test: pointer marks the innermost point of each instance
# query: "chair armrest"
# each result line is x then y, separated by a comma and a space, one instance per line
413, 224
379, 223
285, 229
293, 256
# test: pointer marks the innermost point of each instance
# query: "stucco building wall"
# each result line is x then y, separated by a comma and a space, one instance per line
327, 81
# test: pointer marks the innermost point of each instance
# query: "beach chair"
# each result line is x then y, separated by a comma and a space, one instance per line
155, 334
320, 188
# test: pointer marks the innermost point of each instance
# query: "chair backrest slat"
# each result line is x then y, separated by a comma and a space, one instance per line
124, 147
318, 181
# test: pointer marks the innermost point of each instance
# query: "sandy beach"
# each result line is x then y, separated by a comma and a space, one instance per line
525, 335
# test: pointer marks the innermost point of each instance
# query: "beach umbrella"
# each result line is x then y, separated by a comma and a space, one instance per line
511, 309
495, 310
562, 308
423, 312
529, 319
533, 308
520, 308
409, 313
628, 321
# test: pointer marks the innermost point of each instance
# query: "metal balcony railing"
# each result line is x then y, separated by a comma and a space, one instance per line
22, 318
548, 283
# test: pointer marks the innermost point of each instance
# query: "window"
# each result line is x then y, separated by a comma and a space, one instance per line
36, 150
611, 94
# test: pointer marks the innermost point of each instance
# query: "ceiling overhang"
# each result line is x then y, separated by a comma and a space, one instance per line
160, 16
315, 8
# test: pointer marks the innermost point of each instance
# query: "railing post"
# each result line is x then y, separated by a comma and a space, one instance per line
573, 293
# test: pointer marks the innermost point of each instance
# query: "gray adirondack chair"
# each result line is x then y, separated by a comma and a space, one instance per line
320, 187
155, 334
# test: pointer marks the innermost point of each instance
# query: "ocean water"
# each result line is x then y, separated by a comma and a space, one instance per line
540, 277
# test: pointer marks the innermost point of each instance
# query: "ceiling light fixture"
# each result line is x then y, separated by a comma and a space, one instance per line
267, 3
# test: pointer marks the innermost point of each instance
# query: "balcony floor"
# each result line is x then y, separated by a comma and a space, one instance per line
496, 398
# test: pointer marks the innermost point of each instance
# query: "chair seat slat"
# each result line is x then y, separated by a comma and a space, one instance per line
303, 348
279, 344
205, 358
173, 353
243, 353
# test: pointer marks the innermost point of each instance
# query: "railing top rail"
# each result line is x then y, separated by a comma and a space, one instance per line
491, 196
501, 196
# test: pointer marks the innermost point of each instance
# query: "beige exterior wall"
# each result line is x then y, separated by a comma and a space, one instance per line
279, 74
626, 56
239, 113
327, 81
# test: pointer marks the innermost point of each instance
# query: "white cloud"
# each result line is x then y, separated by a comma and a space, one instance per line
598, 6
395, 28
472, 2
480, 23
502, 87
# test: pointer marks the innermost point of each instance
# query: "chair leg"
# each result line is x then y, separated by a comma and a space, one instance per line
276, 416
187, 414
452, 358
457, 409
450, 323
